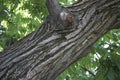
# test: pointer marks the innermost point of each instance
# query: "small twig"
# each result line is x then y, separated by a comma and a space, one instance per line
85, 69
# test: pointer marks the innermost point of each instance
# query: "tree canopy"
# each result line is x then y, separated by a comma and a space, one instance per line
21, 17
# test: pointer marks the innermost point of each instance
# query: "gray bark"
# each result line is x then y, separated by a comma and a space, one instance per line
45, 53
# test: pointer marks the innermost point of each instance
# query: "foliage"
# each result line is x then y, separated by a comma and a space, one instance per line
20, 17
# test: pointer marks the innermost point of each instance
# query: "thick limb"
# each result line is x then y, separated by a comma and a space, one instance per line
60, 15
53, 7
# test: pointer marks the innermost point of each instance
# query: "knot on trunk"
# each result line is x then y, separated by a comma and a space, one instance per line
66, 18
62, 19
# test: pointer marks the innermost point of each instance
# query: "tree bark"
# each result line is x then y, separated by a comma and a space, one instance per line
45, 53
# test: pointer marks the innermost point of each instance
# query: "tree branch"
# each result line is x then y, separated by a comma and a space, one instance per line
47, 53
62, 16
53, 7
116, 25
90, 72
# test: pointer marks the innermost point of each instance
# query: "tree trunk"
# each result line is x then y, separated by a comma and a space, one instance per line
45, 53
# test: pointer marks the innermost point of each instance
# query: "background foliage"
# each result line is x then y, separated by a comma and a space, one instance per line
20, 17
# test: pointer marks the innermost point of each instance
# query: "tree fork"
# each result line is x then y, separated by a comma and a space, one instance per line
44, 54
61, 15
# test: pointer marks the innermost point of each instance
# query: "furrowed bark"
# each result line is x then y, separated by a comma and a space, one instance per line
45, 53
